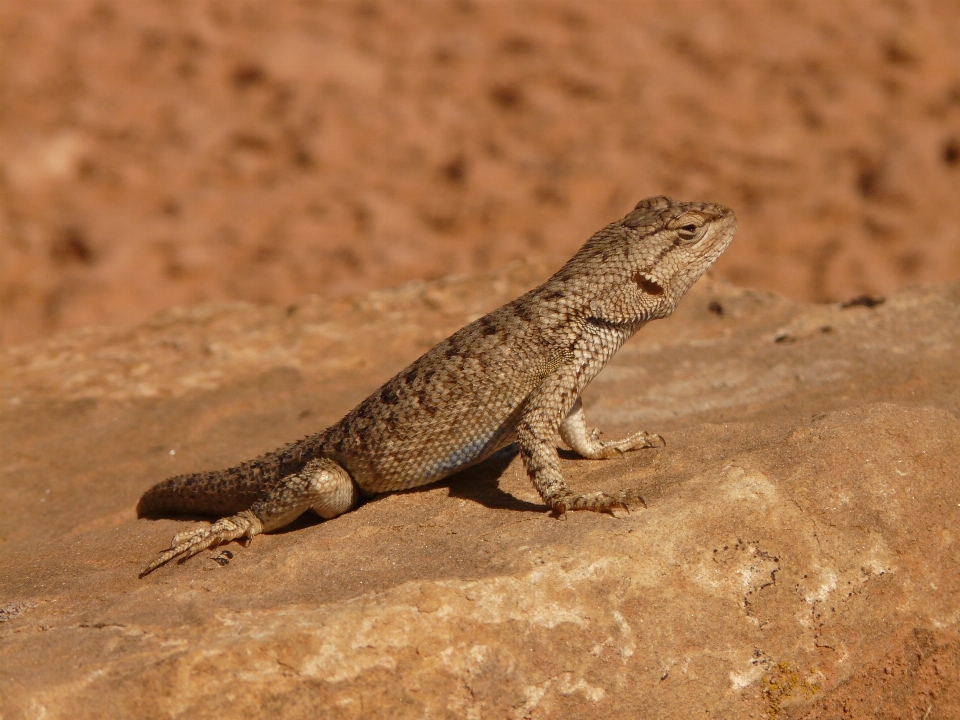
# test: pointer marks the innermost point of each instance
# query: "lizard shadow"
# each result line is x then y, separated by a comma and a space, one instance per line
481, 484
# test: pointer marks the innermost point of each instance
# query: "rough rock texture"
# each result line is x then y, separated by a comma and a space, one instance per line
799, 557
164, 152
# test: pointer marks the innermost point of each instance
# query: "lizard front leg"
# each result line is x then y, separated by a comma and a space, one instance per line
322, 486
573, 431
536, 436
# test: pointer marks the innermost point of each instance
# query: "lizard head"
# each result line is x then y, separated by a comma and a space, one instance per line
638, 268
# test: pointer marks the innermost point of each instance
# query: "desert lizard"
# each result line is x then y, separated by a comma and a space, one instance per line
513, 376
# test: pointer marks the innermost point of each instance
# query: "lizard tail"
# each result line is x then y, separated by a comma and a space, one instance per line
227, 492
219, 492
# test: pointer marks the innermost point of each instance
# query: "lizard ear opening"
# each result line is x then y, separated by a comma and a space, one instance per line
648, 285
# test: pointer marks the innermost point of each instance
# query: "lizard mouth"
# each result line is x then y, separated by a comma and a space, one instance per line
648, 284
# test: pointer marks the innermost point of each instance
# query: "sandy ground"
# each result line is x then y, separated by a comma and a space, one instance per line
156, 154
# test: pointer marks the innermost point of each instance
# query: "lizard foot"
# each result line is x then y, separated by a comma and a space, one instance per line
588, 443
599, 501
614, 448
191, 542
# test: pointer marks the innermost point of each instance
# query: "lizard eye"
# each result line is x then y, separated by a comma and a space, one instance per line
687, 232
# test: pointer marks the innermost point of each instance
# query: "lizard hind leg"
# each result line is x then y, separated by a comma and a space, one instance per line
322, 486
333, 490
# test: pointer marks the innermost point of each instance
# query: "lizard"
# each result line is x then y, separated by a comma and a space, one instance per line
514, 375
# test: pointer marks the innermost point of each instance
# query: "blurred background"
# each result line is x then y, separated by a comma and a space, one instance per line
166, 152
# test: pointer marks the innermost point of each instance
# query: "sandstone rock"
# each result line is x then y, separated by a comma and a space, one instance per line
799, 556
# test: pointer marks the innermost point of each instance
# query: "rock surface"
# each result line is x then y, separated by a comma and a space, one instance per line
799, 558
